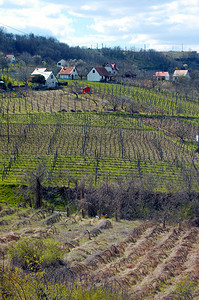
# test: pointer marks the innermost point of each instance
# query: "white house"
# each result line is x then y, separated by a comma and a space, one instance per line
51, 80
181, 73
111, 68
10, 58
68, 73
62, 63
98, 74
162, 76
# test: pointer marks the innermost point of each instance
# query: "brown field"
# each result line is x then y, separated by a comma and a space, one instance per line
146, 259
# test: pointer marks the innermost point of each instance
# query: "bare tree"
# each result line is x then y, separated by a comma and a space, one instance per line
24, 74
133, 107
75, 89
33, 179
26, 58
181, 130
114, 101
3, 63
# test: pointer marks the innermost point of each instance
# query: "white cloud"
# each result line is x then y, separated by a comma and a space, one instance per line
91, 7
155, 23
120, 24
39, 16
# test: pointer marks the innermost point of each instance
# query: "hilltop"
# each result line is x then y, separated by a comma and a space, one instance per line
50, 50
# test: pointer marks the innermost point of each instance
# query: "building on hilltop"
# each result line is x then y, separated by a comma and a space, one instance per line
162, 76
98, 74
111, 68
68, 73
181, 73
62, 63
50, 79
10, 58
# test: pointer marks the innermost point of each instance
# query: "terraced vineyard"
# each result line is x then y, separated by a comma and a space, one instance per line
102, 145
100, 158
92, 144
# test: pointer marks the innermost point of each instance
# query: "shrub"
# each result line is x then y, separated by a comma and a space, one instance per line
185, 289
33, 255
17, 285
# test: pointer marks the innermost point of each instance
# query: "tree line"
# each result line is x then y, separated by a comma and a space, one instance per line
51, 50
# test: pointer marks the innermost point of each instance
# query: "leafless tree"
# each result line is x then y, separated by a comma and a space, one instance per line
133, 107
75, 89
114, 101
181, 130
24, 74
3, 63
33, 179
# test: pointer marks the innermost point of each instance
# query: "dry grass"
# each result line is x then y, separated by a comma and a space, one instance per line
145, 258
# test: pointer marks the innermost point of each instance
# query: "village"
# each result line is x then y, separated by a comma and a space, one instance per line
45, 78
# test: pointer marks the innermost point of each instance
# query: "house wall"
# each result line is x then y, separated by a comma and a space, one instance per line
62, 63
94, 76
64, 76
72, 76
110, 70
51, 81
187, 76
11, 59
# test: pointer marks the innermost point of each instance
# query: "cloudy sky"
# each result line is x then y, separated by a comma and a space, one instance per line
155, 24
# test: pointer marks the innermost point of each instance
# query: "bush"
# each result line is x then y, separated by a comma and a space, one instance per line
185, 289
35, 255
18, 285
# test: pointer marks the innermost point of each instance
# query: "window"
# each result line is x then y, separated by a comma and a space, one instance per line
93, 71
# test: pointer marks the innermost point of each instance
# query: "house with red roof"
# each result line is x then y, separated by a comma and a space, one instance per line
98, 74
10, 58
111, 68
162, 75
68, 73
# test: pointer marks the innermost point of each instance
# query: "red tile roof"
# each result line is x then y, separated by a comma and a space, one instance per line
113, 66
160, 74
9, 55
66, 70
102, 71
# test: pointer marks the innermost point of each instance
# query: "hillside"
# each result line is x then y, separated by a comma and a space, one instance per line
99, 192
51, 51
85, 137
129, 259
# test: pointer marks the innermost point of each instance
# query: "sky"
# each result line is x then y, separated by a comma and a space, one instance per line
131, 24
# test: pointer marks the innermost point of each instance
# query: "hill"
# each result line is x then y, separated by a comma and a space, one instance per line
51, 51
72, 257
98, 192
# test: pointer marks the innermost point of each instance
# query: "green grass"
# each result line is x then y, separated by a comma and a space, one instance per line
8, 193
95, 170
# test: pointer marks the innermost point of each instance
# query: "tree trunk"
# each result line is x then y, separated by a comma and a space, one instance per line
38, 201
